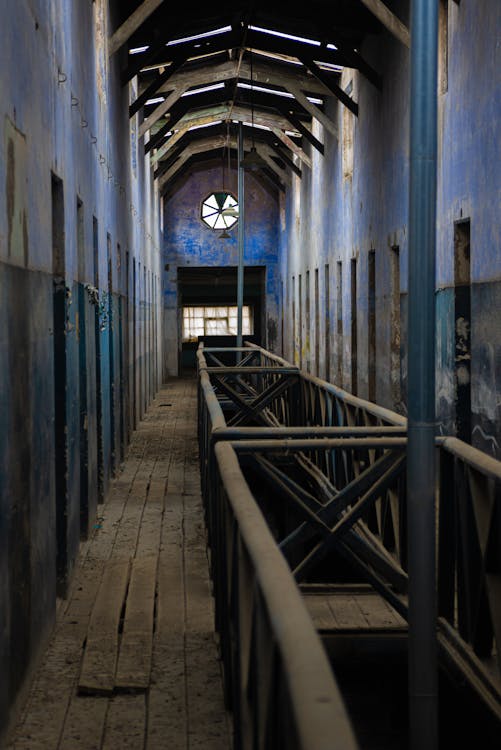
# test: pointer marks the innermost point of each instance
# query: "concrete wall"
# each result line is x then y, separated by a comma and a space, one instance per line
335, 216
69, 356
189, 242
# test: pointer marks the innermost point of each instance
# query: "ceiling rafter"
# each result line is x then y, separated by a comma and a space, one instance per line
267, 138
335, 89
222, 112
133, 22
389, 20
265, 175
263, 73
313, 109
152, 88
164, 54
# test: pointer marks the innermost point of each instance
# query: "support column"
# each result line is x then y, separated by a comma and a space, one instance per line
241, 225
423, 723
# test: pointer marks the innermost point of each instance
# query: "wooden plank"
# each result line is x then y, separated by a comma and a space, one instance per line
389, 20
208, 722
346, 612
290, 144
125, 723
99, 663
84, 724
314, 111
320, 612
378, 613
133, 22
167, 712
162, 108
134, 659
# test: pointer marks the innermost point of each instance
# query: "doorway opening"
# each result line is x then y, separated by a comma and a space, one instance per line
207, 308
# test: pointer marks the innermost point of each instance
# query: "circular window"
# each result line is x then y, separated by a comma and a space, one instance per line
220, 210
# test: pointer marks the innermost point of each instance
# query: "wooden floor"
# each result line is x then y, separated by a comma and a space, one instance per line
133, 662
351, 609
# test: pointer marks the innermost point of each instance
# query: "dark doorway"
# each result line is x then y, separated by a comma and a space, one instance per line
111, 354
372, 324
462, 323
354, 346
82, 376
218, 287
99, 392
60, 367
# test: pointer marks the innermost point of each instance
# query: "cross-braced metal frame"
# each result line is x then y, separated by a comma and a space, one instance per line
328, 471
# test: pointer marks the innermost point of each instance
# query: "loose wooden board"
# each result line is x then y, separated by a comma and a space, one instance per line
97, 674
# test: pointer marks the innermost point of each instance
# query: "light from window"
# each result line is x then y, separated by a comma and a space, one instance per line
220, 210
220, 320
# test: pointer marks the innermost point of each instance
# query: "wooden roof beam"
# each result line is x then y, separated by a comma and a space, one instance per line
134, 21
389, 20
334, 88
292, 146
160, 80
313, 110
200, 147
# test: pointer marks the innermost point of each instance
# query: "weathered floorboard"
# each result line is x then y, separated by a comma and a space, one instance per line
134, 660
100, 659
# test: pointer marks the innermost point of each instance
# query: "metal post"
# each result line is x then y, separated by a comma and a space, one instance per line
241, 223
423, 708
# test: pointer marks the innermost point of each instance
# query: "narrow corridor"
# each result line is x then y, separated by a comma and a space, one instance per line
97, 687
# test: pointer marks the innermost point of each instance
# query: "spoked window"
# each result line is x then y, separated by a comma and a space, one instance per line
215, 321
220, 210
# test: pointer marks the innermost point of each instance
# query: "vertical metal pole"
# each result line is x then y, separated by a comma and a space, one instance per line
241, 224
421, 378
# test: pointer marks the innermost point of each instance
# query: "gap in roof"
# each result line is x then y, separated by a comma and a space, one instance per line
283, 35
207, 125
201, 90
286, 94
167, 63
196, 37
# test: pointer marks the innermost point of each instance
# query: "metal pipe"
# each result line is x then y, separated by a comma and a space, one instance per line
241, 223
421, 378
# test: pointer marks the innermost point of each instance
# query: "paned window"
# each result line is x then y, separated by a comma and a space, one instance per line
220, 320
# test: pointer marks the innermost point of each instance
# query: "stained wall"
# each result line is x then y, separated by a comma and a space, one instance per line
188, 242
345, 238
79, 292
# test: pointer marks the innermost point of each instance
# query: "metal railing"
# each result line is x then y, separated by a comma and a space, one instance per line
280, 695
337, 463
278, 681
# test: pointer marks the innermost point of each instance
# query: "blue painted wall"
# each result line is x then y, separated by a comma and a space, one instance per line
63, 111
189, 242
332, 217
